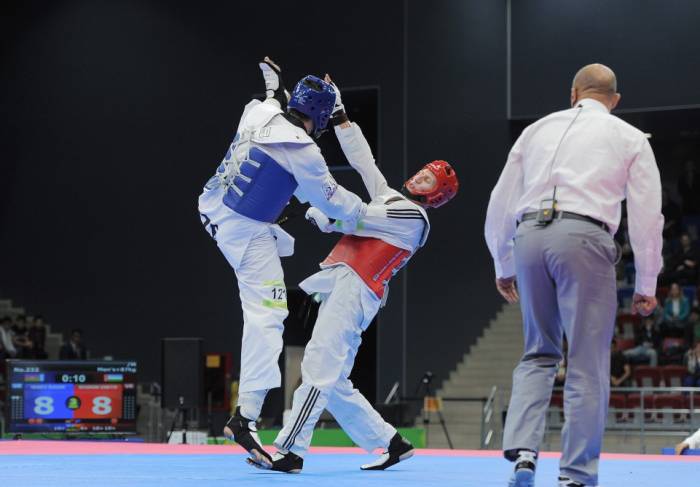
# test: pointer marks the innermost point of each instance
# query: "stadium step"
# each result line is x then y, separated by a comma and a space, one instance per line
489, 362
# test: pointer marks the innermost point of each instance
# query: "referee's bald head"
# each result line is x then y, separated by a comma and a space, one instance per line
597, 78
595, 81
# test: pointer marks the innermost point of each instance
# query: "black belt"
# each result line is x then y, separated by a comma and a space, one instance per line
567, 215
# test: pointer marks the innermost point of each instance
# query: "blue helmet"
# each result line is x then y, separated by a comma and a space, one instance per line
314, 98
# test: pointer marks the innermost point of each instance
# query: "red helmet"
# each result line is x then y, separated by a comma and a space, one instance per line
444, 190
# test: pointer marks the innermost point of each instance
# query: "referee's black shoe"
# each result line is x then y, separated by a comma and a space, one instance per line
281, 462
400, 449
243, 431
567, 482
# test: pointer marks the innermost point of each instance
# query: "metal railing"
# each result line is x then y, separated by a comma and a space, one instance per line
487, 421
487, 427
643, 419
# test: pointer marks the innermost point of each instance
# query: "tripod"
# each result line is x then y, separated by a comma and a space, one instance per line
210, 423
182, 414
425, 384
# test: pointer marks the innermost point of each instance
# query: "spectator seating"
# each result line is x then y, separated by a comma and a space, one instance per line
623, 404
624, 297
557, 400
626, 324
646, 376
634, 401
624, 300
673, 375
617, 401
672, 350
556, 418
625, 344
668, 401
690, 293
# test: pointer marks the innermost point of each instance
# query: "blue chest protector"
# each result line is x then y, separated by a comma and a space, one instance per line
261, 189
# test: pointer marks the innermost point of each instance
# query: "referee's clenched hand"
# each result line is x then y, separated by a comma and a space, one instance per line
506, 286
644, 305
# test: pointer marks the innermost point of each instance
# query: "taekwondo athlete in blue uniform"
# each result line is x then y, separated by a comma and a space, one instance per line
272, 158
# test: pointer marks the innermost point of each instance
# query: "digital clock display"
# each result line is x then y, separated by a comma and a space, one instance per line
71, 378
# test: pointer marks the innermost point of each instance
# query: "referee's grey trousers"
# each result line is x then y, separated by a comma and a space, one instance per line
566, 280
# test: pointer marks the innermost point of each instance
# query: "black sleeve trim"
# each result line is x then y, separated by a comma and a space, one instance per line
339, 118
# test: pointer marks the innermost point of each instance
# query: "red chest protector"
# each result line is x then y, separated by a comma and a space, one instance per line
374, 260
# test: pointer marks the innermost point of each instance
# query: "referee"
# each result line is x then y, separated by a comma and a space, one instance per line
549, 227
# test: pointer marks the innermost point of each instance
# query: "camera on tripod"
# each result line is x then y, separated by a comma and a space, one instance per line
432, 404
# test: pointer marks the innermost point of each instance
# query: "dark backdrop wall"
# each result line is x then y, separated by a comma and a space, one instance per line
114, 116
116, 113
466, 62
653, 46
457, 112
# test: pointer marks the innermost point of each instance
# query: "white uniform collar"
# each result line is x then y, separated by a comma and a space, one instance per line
594, 104
391, 194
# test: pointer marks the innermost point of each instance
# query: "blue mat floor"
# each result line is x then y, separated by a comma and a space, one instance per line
319, 470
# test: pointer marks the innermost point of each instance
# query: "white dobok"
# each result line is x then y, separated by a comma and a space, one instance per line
347, 308
253, 248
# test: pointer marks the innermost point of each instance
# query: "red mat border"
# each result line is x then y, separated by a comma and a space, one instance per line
76, 447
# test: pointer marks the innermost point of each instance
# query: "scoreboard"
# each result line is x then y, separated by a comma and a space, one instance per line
71, 396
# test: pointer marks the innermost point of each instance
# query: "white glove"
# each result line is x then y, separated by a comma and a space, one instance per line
274, 86
338, 108
318, 218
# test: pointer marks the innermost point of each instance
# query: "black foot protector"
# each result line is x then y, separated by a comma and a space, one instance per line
399, 450
242, 431
287, 463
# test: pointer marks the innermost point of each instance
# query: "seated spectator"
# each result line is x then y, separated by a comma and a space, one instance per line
658, 315
682, 265
74, 349
37, 335
692, 442
673, 350
20, 337
647, 340
7, 348
692, 360
676, 311
692, 326
620, 370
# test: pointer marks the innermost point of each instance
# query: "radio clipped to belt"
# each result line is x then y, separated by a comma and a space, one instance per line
545, 215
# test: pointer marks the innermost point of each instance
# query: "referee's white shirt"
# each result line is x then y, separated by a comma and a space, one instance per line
600, 161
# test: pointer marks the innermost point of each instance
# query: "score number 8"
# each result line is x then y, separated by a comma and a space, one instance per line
101, 405
43, 405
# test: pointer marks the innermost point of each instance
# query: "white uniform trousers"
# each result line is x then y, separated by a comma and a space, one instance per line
328, 361
250, 248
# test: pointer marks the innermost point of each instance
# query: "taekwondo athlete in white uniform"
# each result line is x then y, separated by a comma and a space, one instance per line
271, 158
352, 286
